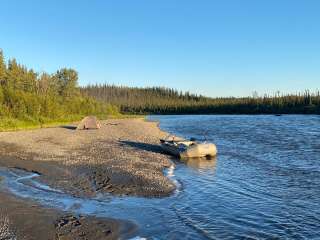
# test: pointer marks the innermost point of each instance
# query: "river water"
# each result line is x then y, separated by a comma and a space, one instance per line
264, 183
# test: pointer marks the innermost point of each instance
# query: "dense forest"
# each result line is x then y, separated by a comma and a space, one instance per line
159, 100
28, 98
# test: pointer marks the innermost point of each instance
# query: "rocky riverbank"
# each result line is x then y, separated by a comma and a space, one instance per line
122, 158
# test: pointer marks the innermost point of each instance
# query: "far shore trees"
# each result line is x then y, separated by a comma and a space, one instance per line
159, 100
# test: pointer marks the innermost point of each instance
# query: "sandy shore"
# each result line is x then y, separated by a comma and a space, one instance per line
123, 157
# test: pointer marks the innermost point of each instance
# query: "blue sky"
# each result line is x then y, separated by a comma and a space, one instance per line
215, 48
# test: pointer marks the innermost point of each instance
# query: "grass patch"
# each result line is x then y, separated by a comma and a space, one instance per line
125, 116
27, 123
12, 124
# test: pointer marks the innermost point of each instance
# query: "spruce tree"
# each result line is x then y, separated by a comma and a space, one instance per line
3, 68
14, 74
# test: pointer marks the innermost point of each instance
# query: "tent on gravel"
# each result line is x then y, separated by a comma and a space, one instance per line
89, 122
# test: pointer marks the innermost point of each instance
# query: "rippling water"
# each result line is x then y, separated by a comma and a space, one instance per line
265, 183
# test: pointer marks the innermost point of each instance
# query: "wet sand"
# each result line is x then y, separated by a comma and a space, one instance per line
21, 219
122, 158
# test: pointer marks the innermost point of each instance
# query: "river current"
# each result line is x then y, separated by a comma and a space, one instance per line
264, 183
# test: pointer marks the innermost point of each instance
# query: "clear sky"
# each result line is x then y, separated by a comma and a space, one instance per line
216, 48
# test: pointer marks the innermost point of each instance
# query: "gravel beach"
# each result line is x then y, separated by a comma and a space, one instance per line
122, 158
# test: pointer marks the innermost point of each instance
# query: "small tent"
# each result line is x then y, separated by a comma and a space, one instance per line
89, 122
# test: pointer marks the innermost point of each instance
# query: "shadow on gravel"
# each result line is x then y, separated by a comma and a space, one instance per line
142, 146
69, 127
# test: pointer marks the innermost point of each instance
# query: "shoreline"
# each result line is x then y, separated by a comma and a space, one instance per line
26, 219
25, 125
121, 158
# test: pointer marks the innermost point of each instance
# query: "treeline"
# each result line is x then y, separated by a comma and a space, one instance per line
28, 97
35, 98
159, 100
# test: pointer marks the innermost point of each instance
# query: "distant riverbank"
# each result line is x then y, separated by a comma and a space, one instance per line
161, 100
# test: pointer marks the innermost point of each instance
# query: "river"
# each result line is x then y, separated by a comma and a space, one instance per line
264, 183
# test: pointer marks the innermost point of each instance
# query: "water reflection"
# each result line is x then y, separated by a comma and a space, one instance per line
207, 163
